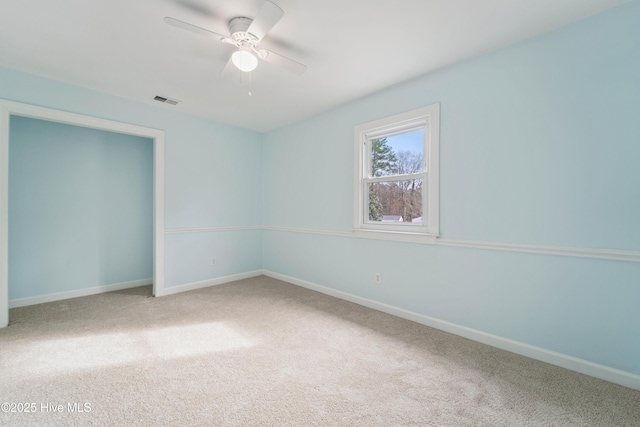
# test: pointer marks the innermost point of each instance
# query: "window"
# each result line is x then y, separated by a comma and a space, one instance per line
396, 174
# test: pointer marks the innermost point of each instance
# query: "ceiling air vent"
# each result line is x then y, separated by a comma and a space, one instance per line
166, 100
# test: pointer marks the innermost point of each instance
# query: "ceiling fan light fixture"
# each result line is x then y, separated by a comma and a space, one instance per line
244, 60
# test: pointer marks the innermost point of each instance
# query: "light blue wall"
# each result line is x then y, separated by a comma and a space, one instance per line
80, 208
235, 252
540, 144
211, 171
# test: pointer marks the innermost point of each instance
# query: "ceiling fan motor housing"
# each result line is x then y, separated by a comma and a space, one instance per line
238, 28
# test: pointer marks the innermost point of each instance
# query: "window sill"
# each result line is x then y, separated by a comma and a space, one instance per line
398, 236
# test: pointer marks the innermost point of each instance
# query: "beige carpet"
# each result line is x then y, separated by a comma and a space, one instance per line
261, 352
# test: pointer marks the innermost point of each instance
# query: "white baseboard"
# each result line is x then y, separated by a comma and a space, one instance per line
40, 299
210, 282
596, 370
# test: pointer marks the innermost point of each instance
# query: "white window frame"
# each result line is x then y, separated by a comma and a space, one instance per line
427, 118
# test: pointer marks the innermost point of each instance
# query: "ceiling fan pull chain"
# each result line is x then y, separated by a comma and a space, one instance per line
250, 94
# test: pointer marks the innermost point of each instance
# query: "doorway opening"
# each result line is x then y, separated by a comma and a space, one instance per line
10, 109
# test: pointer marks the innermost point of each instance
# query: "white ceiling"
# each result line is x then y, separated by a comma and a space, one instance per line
351, 47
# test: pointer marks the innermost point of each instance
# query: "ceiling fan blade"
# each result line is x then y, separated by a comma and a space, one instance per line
193, 28
268, 16
228, 69
284, 62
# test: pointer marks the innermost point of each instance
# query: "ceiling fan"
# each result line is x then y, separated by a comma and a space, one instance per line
246, 34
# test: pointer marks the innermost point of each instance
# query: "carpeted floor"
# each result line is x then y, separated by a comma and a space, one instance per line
261, 352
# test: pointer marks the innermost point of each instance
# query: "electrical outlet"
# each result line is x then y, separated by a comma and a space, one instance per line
377, 279
213, 261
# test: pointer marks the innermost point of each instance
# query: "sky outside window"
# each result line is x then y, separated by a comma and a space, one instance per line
409, 141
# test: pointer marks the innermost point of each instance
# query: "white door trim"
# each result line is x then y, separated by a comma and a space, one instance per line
11, 108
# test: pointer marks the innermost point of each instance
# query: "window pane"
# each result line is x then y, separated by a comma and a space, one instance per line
396, 201
398, 154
